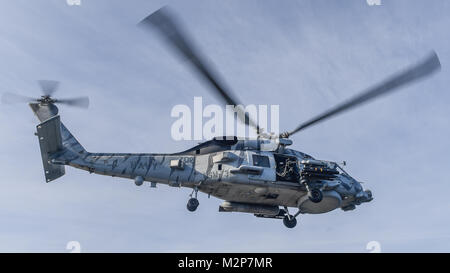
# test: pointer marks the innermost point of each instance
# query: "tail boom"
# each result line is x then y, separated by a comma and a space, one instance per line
59, 148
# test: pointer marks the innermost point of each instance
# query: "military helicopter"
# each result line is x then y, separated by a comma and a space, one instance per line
260, 176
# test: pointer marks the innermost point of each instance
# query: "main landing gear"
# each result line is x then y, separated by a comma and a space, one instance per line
193, 203
290, 221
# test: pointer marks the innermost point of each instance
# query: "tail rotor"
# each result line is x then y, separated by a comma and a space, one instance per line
48, 88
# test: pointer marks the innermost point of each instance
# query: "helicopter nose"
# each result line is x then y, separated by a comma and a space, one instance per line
364, 196
368, 194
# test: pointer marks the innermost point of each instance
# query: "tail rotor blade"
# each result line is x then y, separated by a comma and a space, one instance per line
48, 87
82, 102
10, 98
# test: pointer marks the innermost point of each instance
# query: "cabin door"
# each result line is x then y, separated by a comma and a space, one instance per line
264, 161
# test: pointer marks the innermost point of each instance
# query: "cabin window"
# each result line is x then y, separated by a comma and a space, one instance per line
219, 167
261, 161
197, 151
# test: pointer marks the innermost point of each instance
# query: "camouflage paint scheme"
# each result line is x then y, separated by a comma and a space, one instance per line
213, 167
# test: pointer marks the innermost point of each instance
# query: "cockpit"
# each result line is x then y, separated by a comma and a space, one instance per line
294, 168
287, 168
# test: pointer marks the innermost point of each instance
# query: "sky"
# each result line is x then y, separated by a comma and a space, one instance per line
304, 55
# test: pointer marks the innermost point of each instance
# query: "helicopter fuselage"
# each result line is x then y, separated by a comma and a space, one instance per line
236, 171
259, 176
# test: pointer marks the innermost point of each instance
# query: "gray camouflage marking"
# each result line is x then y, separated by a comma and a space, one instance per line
149, 165
135, 163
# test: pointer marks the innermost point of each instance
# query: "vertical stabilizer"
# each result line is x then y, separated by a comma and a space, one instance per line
50, 142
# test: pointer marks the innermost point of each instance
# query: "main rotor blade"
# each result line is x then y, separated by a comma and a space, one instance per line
425, 68
82, 102
48, 87
10, 98
170, 29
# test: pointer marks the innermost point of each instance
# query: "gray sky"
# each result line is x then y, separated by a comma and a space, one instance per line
303, 55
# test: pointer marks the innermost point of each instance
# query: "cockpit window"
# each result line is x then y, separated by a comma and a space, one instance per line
261, 161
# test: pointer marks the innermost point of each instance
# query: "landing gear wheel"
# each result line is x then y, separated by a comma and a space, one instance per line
192, 204
315, 195
289, 223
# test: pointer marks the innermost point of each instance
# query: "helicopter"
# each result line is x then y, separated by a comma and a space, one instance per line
261, 176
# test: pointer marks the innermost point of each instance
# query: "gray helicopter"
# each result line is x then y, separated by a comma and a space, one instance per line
262, 176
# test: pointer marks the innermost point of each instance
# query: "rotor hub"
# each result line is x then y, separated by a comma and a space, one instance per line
46, 100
